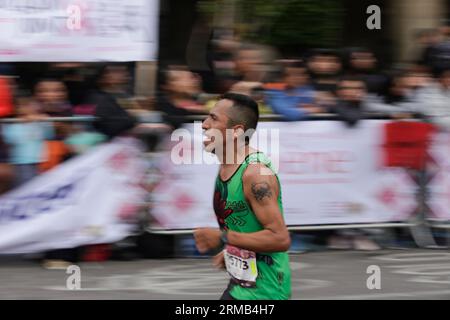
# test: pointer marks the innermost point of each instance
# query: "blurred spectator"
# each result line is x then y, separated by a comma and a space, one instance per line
224, 45
253, 67
6, 110
112, 119
400, 89
362, 62
6, 170
405, 84
437, 54
115, 80
249, 64
6, 97
434, 100
82, 140
325, 67
51, 96
8, 88
294, 98
180, 93
426, 40
77, 78
354, 104
351, 91
26, 139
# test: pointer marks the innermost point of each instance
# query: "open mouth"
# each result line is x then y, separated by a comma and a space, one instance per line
208, 143
207, 139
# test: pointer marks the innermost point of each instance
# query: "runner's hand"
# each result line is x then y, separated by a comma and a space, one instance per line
207, 239
219, 260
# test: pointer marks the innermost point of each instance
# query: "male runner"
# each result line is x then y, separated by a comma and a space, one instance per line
247, 203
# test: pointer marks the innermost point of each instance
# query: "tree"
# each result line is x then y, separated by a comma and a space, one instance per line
306, 23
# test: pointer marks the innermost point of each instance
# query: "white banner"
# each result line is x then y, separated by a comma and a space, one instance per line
439, 171
330, 174
84, 201
78, 30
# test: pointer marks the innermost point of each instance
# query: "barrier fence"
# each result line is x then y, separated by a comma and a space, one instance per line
333, 177
390, 176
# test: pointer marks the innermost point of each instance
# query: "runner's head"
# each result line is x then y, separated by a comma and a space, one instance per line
235, 116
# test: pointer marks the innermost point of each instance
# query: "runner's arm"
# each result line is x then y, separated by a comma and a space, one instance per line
261, 192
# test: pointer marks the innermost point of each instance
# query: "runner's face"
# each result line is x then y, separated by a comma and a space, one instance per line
215, 126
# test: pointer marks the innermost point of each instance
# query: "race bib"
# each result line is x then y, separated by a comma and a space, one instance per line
241, 265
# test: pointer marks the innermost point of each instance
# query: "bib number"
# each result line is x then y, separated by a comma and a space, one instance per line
241, 265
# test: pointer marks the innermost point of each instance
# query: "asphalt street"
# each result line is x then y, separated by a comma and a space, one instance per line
404, 274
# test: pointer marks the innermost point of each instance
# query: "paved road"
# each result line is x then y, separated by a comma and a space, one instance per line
405, 274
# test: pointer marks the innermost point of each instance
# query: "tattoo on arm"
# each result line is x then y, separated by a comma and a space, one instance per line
261, 190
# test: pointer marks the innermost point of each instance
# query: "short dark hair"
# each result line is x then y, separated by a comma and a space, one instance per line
104, 68
295, 64
50, 77
349, 77
164, 77
325, 52
245, 110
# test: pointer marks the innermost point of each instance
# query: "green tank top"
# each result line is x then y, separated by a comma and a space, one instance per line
235, 214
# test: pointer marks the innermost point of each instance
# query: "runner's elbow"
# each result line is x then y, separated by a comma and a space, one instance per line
286, 242
283, 242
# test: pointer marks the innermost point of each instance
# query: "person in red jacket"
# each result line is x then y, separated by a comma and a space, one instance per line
6, 97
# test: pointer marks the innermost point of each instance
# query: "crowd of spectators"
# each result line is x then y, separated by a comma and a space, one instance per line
347, 82
37, 132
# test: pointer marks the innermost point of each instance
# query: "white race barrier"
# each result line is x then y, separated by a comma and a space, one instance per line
83, 201
438, 170
330, 175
